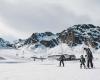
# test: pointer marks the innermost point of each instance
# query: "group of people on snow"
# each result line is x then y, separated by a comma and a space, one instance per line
85, 61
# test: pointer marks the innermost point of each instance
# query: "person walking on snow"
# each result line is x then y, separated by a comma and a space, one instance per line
62, 58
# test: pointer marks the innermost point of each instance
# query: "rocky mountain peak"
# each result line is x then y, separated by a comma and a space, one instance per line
80, 33
74, 35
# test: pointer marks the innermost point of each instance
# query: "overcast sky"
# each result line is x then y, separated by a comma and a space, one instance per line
21, 18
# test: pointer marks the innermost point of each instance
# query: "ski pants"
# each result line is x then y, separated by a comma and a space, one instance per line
82, 64
62, 62
89, 63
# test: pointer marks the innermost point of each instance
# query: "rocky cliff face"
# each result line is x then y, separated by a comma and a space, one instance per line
77, 34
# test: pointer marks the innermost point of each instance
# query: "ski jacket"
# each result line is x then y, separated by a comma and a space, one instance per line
89, 53
62, 58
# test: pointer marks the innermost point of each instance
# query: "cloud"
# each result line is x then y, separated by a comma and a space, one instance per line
28, 16
7, 32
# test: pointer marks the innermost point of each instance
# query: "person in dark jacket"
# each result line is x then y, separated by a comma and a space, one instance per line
62, 58
82, 61
89, 58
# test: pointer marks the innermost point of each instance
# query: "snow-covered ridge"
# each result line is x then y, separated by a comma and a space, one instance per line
5, 44
46, 39
82, 33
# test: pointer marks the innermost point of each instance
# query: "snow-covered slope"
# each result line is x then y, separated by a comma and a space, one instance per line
4, 44
46, 39
48, 70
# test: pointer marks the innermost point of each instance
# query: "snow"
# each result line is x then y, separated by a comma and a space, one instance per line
47, 38
28, 52
17, 64
65, 49
47, 71
44, 36
58, 50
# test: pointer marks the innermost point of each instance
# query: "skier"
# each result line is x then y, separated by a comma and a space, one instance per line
82, 61
89, 58
62, 58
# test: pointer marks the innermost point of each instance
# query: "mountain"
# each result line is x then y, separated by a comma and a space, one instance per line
82, 33
74, 35
18, 43
5, 44
46, 39
69, 41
